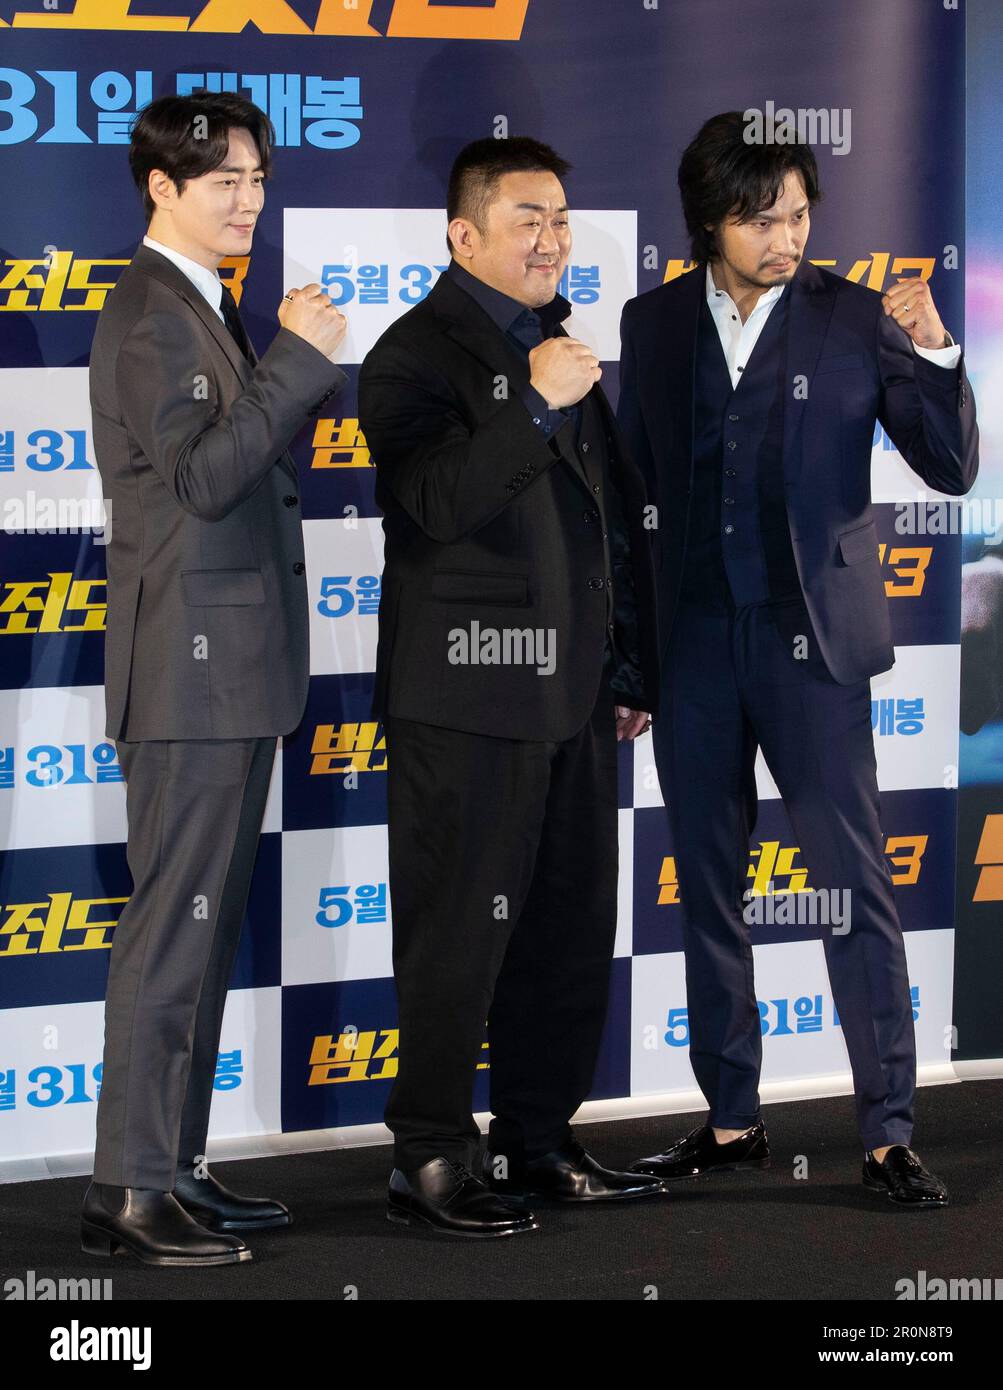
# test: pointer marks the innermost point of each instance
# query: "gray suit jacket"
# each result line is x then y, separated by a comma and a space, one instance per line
207, 601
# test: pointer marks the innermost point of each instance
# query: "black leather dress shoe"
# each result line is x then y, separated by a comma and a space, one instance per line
904, 1179
447, 1197
153, 1227
699, 1152
218, 1209
568, 1174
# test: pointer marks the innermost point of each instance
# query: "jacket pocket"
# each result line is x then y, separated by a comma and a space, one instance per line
480, 586
840, 363
215, 588
859, 544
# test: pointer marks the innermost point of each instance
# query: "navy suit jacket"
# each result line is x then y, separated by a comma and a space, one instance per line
848, 364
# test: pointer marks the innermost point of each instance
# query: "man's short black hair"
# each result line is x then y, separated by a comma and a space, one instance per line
722, 175
480, 166
188, 136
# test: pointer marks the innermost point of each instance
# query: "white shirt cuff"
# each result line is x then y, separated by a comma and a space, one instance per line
942, 356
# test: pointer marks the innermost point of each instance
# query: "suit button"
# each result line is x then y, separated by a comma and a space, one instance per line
299, 567
596, 583
732, 417
595, 487
291, 500
732, 444
587, 516
730, 472
728, 530
585, 447
730, 501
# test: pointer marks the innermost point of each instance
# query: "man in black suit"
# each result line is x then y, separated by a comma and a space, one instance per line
749, 392
516, 647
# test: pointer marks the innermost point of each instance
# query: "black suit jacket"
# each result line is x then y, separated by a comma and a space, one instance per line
488, 521
857, 365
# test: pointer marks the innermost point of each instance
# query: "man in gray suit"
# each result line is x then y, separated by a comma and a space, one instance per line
206, 657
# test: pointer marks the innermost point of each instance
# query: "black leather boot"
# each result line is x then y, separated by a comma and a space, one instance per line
218, 1209
152, 1226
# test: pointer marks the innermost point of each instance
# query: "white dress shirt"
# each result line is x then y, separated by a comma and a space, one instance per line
738, 338
207, 282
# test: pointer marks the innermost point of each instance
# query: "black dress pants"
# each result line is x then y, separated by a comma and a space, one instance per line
503, 874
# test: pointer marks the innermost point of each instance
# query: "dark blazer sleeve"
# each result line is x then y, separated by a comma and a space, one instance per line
449, 477
211, 462
928, 412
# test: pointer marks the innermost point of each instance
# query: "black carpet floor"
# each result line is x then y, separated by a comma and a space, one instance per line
764, 1235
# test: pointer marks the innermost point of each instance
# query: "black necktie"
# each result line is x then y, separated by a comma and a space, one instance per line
232, 320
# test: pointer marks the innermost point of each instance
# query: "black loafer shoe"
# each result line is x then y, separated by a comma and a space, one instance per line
902, 1177
218, 1209
153, 1227
447, 1197
700, 1153
568, 1174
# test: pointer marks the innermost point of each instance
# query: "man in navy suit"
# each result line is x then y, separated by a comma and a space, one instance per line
749, 392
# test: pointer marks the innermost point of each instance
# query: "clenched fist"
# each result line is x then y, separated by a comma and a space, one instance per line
563, 370
910, 303
311, 315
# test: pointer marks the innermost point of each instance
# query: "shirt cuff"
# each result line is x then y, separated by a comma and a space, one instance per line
548, 421
943, 356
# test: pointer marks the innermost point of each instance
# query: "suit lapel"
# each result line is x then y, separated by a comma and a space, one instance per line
811, 306
673, 395
152, 263
474, 330
160, 268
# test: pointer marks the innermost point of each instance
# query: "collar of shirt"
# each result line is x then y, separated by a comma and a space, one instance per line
738, 338
719, 300
207, 282
502, 308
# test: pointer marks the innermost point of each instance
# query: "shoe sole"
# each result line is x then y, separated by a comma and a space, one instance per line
95, 1241
224, 1227
880, 1188
407, 1218
536, 1195
717, 1168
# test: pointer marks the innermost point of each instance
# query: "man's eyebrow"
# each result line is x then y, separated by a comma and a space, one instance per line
765, 212
539, 207
238, 169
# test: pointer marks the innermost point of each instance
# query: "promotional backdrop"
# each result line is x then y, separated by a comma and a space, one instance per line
371, 101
